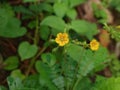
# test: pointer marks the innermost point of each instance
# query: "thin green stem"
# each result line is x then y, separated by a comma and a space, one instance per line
77, 82
33, 60
36, 31
76, 70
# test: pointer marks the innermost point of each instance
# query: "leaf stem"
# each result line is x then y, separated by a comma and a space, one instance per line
33, 60
76, 70
36, 31
77, 82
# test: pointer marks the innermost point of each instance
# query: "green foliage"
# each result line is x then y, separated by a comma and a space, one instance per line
80, 27
17, 74
48, 58
107, 84
3, 88
26, 1
26, 50
54, 24
44, 32
71, 13
51, 66
115, 4
99, 13
44, 71
60, 9
74, 51
115, 66
114, 32
9, 25
75, 2
11, 63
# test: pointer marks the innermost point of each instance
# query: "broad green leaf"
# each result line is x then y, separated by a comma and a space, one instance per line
11, 63
17, 74
45, 78
44, 32
26, 50
46, 7
87, 63
54, 22
10, 26
38, 8
60, 9
74, 51
48, 58
101, 56
84, 28
72, 14
76, 2
107, 84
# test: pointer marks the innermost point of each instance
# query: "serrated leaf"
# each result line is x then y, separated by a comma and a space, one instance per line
45, 77
28, 82
48, 58
100, 56
11, 63
72, 14
54, 22
84, 28
74, 51
14, 83
26, 50
87, 63
107, 84
60, 9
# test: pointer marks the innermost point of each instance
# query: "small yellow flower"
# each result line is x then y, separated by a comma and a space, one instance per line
62, 39
94, 45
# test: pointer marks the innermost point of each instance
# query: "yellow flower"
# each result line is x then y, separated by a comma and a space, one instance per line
94, 45
62, 39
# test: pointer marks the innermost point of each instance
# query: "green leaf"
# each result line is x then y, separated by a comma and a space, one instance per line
10, 26
76, 2
28, 82
17, 74
45, 78
84, 28
11, 63
87, 63
74, 51
38, 8
54, 22
101, 56
107, 84
26, 50
14, 83
48, 58
44, 32
72, 14
60, 9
